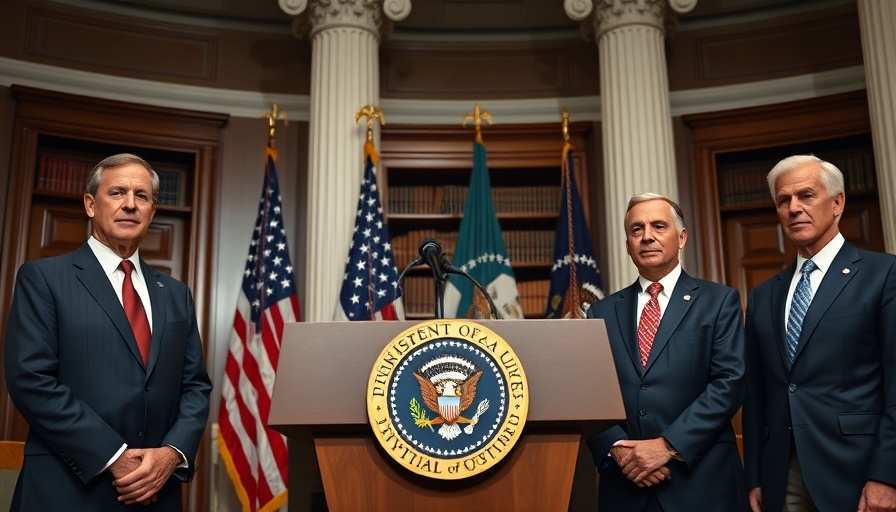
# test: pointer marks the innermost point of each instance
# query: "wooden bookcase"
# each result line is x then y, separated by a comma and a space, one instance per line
743, 243
58, 139
425, 172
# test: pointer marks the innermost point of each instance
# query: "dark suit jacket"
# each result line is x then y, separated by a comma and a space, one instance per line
839, 398
692, 387
74, 372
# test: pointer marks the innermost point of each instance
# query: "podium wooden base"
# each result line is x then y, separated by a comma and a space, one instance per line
536, 476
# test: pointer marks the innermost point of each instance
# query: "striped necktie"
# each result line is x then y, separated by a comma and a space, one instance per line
650, 321
802, 296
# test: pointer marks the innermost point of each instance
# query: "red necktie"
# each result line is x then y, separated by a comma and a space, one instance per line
650, 321
133, 308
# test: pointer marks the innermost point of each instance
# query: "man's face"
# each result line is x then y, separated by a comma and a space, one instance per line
122, 209
808, 215
651, 238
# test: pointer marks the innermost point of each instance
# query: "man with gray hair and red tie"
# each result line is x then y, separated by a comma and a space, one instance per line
104, 361
678, 348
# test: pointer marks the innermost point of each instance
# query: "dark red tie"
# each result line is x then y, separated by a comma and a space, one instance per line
650, 321
133, 308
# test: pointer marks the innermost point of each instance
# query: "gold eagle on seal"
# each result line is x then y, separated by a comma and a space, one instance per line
448, 387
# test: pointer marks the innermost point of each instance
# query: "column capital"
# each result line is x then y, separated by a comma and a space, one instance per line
610, 14
613, 14
316, 15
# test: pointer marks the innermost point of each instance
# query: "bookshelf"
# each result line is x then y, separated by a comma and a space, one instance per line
734, 151
425, 172
57, 140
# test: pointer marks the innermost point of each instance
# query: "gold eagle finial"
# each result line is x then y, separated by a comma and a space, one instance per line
477, 117
371, 112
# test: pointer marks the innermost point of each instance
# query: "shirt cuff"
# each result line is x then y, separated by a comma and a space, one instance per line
114, 457
183, 458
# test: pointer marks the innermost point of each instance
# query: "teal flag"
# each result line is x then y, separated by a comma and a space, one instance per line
481, 252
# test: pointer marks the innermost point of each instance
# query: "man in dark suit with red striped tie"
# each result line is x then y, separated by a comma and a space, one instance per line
104, 361
678, 348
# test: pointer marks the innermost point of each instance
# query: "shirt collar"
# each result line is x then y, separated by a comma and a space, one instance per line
825, 257
668, 281
109, 261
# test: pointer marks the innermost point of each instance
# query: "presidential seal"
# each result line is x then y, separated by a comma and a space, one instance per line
447, 399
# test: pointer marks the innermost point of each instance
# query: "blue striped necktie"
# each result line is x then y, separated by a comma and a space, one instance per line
802, 296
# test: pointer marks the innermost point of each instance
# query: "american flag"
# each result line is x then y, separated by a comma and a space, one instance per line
370, 287
256, 456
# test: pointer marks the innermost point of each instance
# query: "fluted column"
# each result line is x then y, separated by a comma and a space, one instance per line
345, 37
636, 119
877, 18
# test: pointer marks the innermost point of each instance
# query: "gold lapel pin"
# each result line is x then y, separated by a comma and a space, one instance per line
687, 297
846, 271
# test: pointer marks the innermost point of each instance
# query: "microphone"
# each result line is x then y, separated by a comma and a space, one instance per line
432, 254
449, 268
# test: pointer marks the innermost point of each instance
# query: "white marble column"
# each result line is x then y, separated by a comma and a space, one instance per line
635, 116
345, 36
877, 19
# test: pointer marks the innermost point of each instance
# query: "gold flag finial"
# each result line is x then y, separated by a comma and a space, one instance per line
565, 125
477, 117
371, 112
273, 116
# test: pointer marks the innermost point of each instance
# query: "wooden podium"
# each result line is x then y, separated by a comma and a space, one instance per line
320, 393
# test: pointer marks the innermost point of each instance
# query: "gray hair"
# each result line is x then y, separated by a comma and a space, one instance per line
96, 175
831, 177
677, 215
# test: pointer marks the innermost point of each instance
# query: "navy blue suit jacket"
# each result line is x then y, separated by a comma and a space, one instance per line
838, 401
74, 372
689, 392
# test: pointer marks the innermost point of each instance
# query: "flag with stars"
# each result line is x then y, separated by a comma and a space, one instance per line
370, 286
256, 456
575, 278
481, 252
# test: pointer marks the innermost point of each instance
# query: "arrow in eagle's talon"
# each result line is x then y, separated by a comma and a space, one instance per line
481, 408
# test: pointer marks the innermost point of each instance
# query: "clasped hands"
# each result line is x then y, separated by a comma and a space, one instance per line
644, 461
140, 473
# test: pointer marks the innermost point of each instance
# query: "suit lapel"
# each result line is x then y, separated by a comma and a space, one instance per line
627, 319
779, 306
842, 269
92, 277
682, 297
159, 312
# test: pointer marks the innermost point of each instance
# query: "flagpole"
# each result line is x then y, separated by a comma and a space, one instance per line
370, 286
572, 304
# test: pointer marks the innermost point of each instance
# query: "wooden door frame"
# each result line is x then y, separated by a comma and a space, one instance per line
754, 128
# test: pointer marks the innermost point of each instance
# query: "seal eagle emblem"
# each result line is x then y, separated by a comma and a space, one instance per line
448, 386
447, 399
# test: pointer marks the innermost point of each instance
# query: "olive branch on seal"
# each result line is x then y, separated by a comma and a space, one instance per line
419, 415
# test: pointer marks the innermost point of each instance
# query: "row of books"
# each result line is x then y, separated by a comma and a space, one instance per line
66, 174
450, 199
406, 247
418, 296
748, 184
523, 246
169, 187
858, 171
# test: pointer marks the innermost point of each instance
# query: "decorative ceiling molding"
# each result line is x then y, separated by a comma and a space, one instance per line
252, 104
